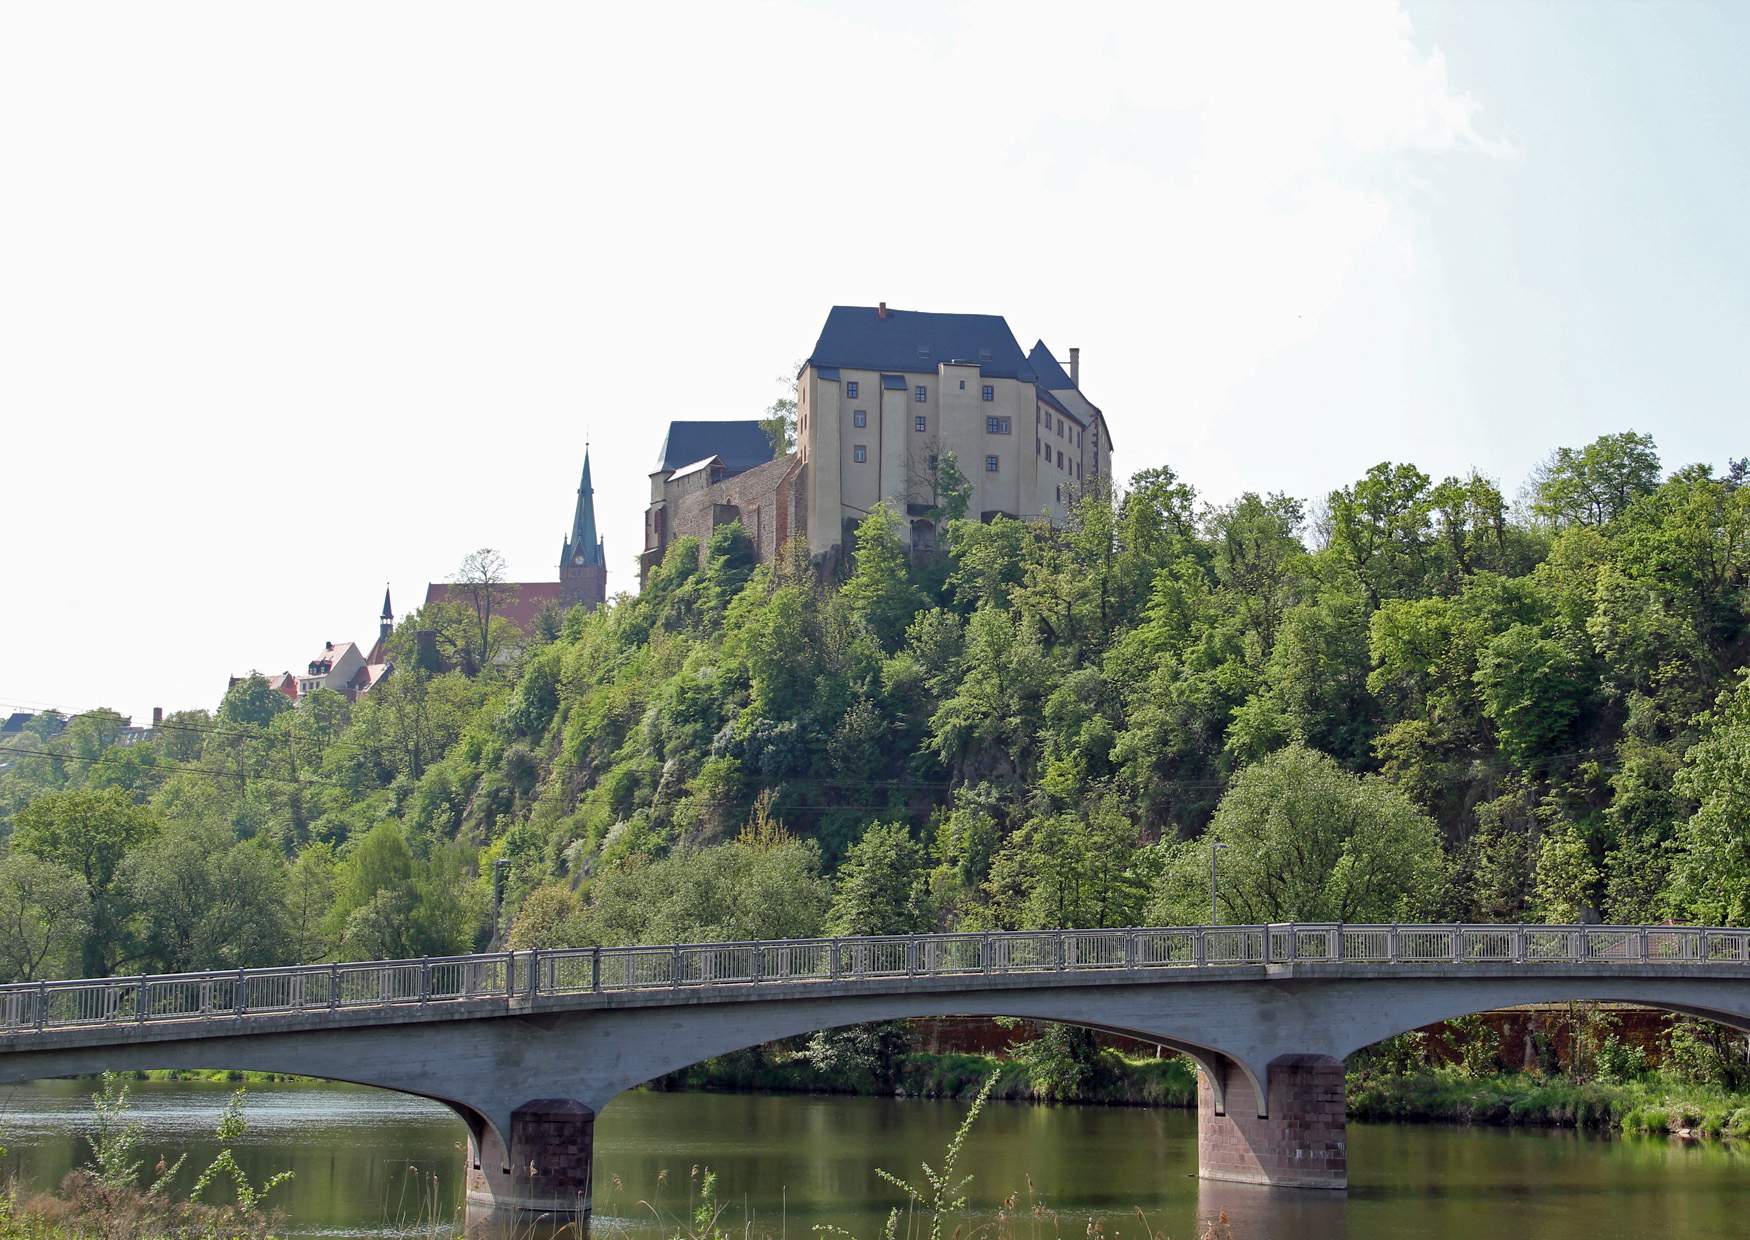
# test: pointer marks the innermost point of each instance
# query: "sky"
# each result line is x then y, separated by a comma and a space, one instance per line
296, 301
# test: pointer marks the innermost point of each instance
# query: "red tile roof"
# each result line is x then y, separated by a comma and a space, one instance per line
528, 599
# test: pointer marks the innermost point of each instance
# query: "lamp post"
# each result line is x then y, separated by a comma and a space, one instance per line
1215, 846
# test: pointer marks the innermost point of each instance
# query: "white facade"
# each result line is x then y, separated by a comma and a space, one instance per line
870, 435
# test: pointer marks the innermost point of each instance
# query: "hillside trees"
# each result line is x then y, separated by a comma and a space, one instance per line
1447, 708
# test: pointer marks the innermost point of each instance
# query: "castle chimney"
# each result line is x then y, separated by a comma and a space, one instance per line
881, 311
1075, 368
157, 716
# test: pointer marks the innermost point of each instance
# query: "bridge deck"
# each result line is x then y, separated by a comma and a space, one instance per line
37, 1014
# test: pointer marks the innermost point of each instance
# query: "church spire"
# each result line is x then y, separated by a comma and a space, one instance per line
385, 627
584, 546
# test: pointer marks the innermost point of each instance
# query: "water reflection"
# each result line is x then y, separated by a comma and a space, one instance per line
370, 1163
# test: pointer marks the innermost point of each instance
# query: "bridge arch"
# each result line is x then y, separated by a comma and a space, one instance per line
1211, 1060
1414, 1007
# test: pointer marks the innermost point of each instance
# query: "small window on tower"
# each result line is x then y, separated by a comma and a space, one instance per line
851, 388
990, 464
921, 394
920, 423
859, 454
990, 392
860, 418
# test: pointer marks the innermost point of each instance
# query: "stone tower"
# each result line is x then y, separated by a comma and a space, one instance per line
583, 563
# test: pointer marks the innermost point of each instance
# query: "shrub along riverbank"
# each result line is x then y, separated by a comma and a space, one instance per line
1655, 1103
1116, 1080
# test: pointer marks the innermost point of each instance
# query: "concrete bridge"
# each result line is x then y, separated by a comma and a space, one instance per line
528, 1046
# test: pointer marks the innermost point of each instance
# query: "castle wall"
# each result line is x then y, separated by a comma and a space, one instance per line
765, 499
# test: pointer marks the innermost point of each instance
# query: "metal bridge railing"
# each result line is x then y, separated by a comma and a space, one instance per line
31, 1006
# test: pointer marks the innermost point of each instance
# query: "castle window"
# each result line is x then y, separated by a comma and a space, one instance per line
1060, 428
990, 392
851, 388
990, 464
860, 418
963, 385
1060, 458
996, 426
932, 462
1060, 492
920, 424
860, 454
921, 394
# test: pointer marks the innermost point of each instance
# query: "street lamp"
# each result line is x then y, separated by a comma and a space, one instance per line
1215, 846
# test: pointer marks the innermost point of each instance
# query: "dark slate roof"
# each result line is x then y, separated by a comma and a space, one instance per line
742, 445
860, 338
1051, 375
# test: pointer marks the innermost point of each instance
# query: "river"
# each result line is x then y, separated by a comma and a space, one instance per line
369, 1163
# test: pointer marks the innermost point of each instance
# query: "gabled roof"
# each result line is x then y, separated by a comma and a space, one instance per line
695, 467
525, 602
741, 444
1051, 375
917, 341
334, 652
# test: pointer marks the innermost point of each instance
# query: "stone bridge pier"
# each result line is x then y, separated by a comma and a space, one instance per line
545, 1175
1299, 1140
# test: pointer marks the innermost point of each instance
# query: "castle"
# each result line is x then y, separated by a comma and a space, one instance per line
883, 396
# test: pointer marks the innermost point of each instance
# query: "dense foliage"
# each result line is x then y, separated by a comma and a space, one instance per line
1423, 702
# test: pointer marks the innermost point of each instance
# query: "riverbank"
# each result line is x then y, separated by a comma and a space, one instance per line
1654, 1105
1657, 1104
1114, 1079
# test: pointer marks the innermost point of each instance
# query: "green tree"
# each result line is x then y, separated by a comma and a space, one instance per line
253, 702
1567, 877
1595, 484
779, 424
203, 900
882, 885
749, 888
1535, 688
879, 589
1072, 870
309, 895
91, 834
1380, 529
45, 913
1307, 841
1712, 878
